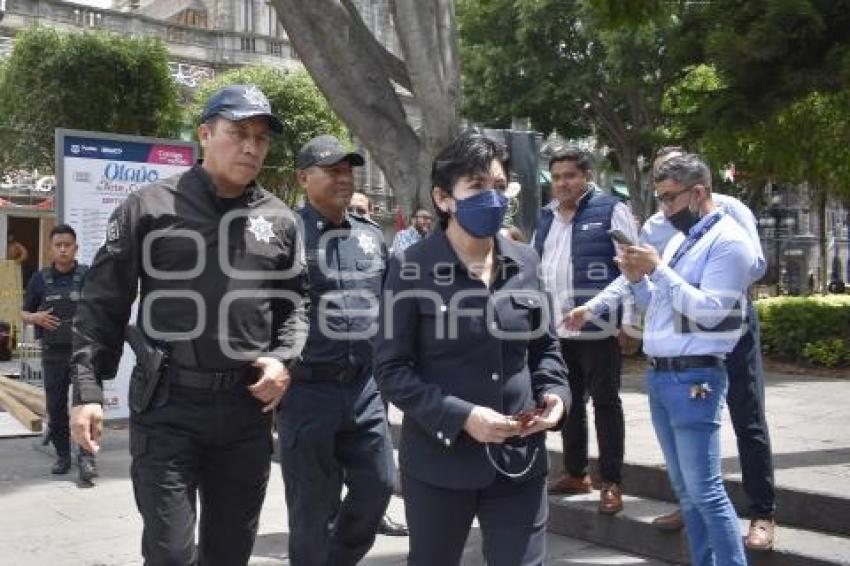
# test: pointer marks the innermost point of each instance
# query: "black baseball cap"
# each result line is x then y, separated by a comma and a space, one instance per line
240, 102
325, 150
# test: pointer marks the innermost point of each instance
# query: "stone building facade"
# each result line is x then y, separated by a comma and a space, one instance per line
204, 37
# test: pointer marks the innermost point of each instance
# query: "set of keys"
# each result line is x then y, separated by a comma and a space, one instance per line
700, 390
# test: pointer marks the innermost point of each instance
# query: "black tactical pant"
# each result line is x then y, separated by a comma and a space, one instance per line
56, 368
331, 431
200, 445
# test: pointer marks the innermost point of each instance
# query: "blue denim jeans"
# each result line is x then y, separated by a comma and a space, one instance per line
688, 429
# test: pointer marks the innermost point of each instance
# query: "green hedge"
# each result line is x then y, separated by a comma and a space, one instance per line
812, 329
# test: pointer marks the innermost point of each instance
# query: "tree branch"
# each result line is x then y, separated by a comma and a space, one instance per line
356, 84
417, 23
394, 66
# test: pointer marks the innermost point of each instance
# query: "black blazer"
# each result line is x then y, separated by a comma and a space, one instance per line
447, 343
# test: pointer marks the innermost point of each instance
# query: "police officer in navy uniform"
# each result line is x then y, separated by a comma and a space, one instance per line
331, 422
223, 283
467, 350
50, 304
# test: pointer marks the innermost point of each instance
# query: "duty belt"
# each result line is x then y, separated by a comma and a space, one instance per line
211, 379
324, 372
680, 363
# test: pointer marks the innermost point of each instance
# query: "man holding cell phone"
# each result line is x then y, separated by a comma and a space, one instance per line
575, 238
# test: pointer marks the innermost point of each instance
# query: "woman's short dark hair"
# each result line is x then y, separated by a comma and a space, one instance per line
470, 153
575, 155
63, 229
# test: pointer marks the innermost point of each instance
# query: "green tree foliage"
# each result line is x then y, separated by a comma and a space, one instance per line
567, 68
806, 140
299, 104
87, 81
769, 53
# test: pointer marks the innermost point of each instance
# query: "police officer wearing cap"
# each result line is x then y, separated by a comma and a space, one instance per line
220, 263
331, 422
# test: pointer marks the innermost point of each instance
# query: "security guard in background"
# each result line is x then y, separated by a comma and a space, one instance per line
220, 262
331, 422
50, 304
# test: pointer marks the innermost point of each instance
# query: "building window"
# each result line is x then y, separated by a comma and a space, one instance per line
88, 18
248, 16
192, 18
275, 48
248, 44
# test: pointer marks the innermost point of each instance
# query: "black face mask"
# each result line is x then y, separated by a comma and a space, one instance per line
684, 220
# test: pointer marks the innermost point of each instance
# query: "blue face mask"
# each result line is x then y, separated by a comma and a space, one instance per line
481, 215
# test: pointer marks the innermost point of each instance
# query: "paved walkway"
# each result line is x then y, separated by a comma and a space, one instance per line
807, 417
46, 520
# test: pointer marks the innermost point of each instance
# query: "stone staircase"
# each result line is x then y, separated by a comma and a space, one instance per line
813, 529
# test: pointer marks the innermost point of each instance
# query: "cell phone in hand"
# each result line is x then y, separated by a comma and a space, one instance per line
619, 237
525, 417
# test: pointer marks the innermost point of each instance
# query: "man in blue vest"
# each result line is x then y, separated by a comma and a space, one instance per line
578, 261
50, 304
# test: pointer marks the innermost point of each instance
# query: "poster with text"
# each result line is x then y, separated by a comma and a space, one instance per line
95, 172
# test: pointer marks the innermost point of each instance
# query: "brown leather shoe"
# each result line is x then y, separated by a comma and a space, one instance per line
669, 522
610, 499
570, 485
761, 535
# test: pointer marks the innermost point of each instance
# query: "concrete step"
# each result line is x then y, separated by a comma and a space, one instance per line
631, 531
794, 507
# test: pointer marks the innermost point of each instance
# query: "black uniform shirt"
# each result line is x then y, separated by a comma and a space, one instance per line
346, 269
448, 343
34, 296
223, 281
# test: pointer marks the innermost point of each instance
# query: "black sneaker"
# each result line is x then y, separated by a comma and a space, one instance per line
88, 468
61, 466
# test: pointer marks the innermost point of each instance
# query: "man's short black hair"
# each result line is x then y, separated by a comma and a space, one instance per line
575, 155
470, 153
63, 229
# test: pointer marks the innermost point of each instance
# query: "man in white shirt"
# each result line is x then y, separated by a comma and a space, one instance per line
577, 253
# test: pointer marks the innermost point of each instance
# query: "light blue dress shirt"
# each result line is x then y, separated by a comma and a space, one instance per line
707, 285
657, 232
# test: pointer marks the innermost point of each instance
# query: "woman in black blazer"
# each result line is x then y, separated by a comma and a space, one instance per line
467, 350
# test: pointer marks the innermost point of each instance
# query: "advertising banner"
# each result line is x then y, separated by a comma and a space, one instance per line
95, 172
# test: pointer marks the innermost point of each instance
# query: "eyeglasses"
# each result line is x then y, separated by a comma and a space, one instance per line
668, 198
358, 210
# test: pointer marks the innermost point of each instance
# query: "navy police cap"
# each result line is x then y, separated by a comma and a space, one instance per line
240, 102
323, 151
